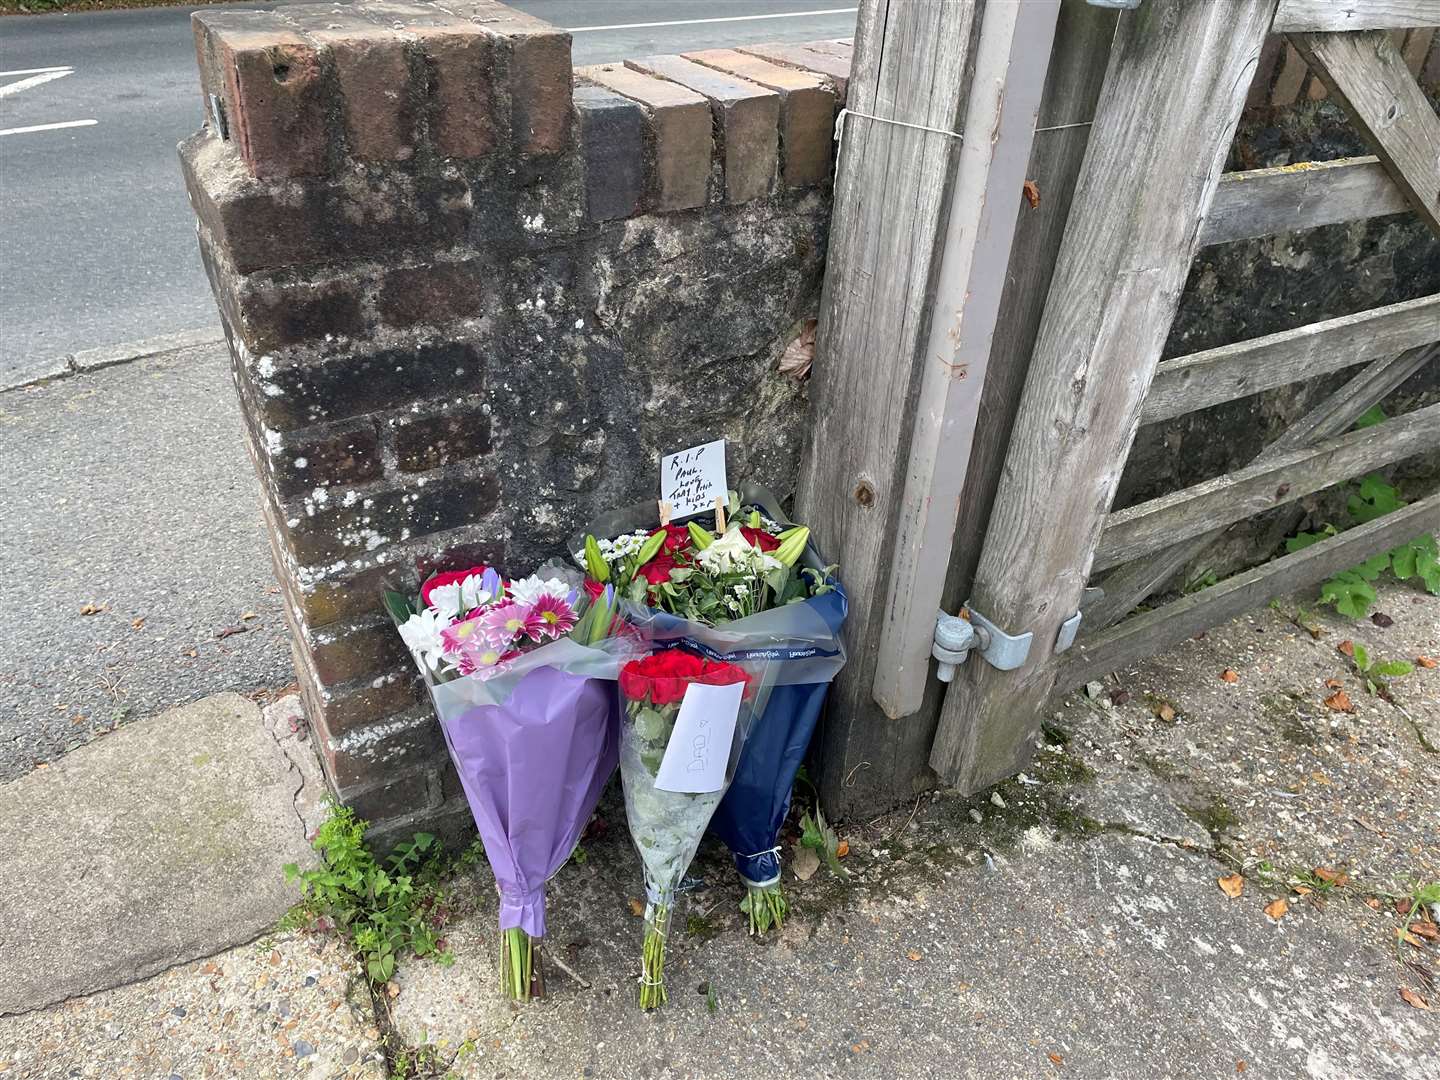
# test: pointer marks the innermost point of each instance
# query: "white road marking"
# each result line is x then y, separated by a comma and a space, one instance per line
48, 127
34, 80
34, 71
721, 19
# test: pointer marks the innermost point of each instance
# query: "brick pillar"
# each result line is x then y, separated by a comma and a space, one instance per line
470, 295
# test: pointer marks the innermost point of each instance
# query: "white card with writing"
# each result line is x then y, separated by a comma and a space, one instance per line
699, 747
693, 479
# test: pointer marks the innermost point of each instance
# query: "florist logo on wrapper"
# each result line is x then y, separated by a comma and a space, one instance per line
699, 747
692, 480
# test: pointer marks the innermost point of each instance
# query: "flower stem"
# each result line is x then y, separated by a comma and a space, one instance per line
652, 976
517, 963
766, 906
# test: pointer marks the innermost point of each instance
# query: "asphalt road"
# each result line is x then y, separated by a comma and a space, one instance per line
96, 240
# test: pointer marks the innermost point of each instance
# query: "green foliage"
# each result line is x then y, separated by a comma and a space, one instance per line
399, 606
1350, 591
1372, 671
382, 910
1370, 417
816, 833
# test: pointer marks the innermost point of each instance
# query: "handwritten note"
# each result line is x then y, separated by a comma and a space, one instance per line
693, 479
699, 747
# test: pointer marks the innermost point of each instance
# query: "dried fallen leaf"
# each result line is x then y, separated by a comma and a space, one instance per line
1340, 702
246, 616
795, 361
1240, 1066
1032, 194
1277, 908
1165, 712
1410, 997
842, 849
274, 957
1232, 885
1409, 938
1303, 890
1373, 903
1229, 675
1425, 930
1333, 684
1338, 878
1056, 1058
137, 624
637, 907
393, 989
227, 631
805, 863
1382, 620
860, 1047
1426, 661
913, 954
91, 609
1347, 647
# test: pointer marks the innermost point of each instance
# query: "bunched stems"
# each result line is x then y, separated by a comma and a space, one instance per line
766, 906
517, 963
652, 975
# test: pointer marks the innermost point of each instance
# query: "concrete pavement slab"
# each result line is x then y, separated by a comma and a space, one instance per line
284, 1006
159, 844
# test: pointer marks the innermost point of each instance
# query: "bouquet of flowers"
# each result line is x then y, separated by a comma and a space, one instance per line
521, 675
666, 823
756, 595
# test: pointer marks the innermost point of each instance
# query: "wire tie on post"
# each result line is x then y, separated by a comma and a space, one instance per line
840, 126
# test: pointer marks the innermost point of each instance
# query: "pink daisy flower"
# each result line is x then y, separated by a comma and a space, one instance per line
480, 659
498, 627
556, 617
461, 637
519, 620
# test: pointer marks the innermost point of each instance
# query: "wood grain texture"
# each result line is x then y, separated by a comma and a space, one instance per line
1366, 73
1234, 371
912, 62
1279, 479
1072, 88
1010, 61
1174, 90
1331, 15
1160, 628
1262, 202
1133, 582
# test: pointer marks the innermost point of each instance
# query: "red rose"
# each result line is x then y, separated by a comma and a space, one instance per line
657, 570
677, 537
721, 674
662, 676
449, 577
594, 589
759, 538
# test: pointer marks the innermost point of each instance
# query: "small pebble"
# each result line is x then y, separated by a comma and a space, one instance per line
309, 980
350, 1056
179, 1011
302, 1048
976, 816
997, 800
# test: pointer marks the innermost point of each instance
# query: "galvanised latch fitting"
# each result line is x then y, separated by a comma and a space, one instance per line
956, 637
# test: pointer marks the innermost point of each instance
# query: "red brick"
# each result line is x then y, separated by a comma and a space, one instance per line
438, 293
366, 754
275, 314
807, 111
428, 441
746, 115
327, 457
680, 130
373, 75
274, 93
536, 63
829, 59
459, 75
345, 651
390, 796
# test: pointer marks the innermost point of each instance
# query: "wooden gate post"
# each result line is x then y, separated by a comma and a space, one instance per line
1176, 84
941, 111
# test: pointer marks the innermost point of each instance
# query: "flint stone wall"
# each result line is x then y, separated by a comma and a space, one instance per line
472, 293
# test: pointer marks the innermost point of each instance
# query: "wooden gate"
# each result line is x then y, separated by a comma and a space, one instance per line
1149, 194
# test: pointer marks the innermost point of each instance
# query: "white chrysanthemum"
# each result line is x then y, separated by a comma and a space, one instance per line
458, 597
528, 590
731, 554
421, 633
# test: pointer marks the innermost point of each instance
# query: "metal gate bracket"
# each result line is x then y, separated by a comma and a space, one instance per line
999, 649
1068, 629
